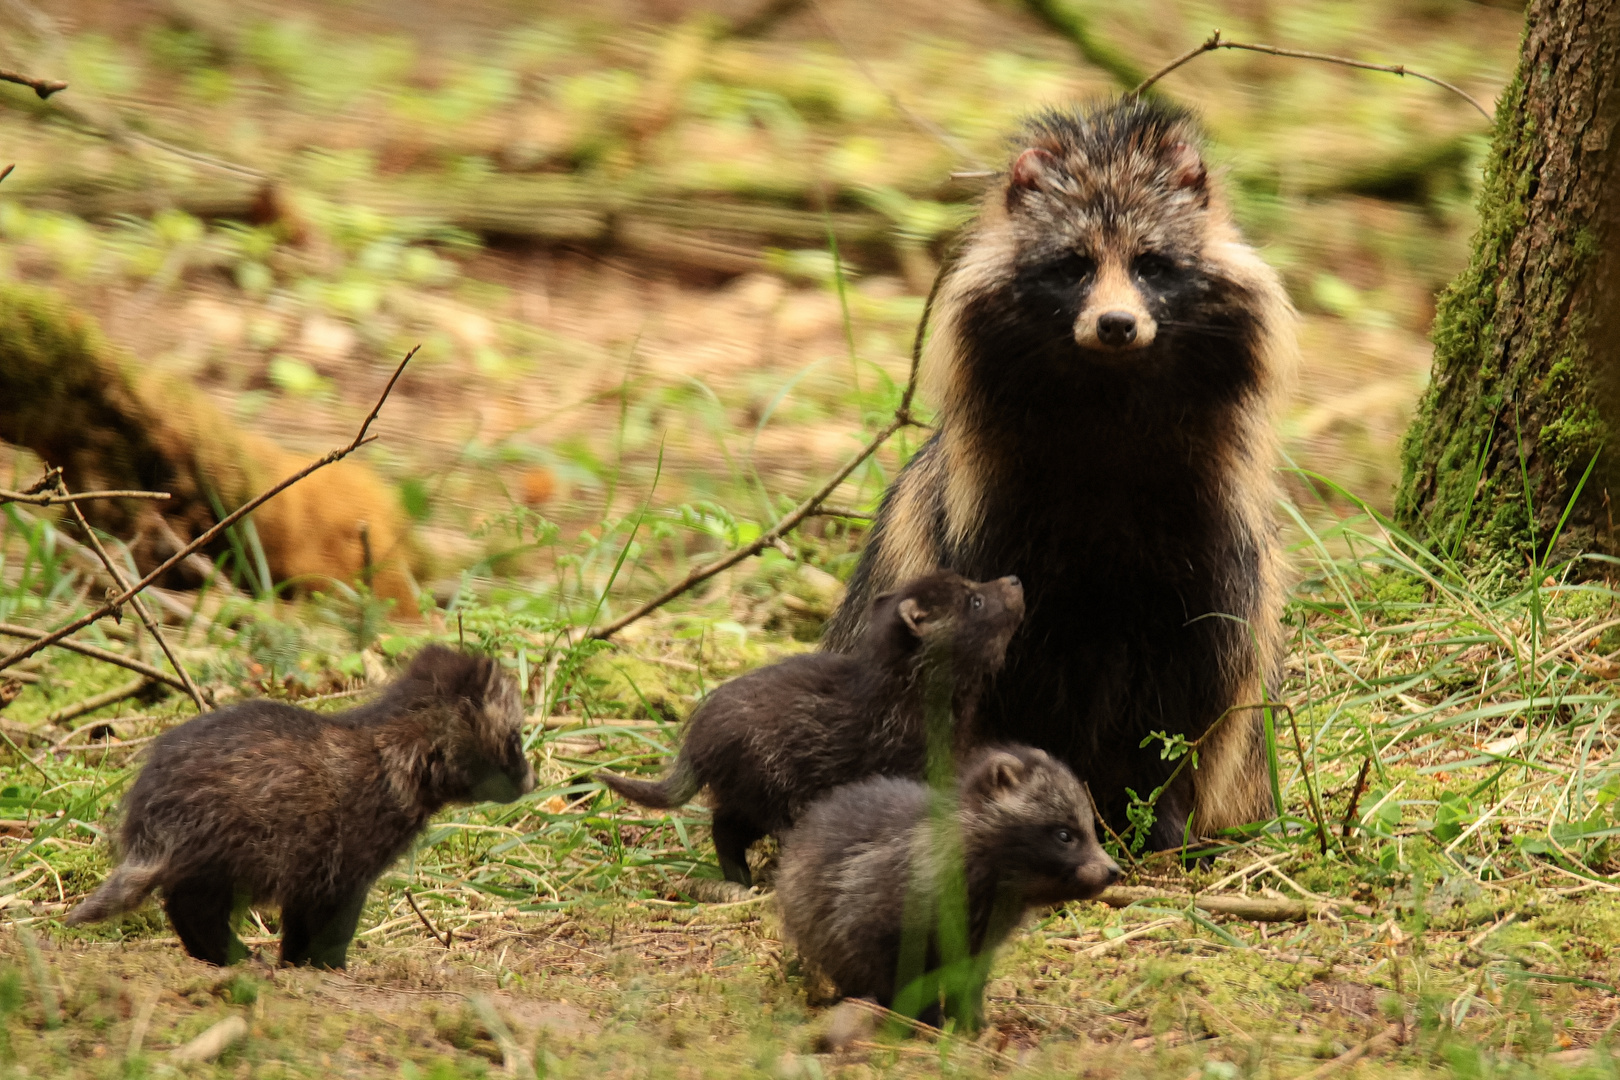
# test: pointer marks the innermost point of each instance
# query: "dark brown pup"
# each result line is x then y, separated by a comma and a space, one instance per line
1105, 353
769, 742
865, 869
266, 803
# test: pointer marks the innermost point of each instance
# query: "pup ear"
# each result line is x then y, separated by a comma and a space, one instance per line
1187, 170
913, 615
1033, 169
1001, 774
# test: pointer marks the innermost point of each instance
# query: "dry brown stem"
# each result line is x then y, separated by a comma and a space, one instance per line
431, 929
43, 87
1215, 41
137, 603
207, 537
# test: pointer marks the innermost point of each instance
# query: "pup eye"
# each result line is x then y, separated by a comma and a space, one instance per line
1070, 268
1153, 267
978, 601
1064, 836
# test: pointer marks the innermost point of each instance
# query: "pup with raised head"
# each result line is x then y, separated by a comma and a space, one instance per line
1105, 354
768, 742
267, 803
865, 869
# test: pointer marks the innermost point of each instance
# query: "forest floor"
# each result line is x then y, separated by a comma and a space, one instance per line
589, 415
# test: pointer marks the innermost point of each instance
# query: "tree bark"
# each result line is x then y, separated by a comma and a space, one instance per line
1523, 401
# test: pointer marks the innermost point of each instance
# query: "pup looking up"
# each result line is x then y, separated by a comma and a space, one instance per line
1106, 352
865, 870
770, 741
266, 803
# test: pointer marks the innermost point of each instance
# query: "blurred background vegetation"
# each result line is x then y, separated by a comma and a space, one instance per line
684, 239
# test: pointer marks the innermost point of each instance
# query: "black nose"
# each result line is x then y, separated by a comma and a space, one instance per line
1116, 328
1012, 579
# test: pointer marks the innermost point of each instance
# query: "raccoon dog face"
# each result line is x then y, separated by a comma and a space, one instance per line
1108, 215
1034, 818
472, 752
966, 622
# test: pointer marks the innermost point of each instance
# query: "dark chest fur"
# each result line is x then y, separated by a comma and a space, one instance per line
1106, 493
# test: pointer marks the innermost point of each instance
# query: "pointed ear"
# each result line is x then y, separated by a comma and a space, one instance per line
913, 615
1033, 169
1001, 774
1187, 170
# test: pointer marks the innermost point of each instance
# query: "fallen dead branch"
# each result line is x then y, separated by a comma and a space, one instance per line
1215, 41
95, 653
1253, 908
208, 536
98, 701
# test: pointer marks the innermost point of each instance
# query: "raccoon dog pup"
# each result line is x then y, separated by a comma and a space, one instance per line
768, 742
865, 861
266, 803
1105, 354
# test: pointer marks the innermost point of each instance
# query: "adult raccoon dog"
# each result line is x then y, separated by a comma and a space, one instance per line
863, 869
1105, 353
768, 742
264, 802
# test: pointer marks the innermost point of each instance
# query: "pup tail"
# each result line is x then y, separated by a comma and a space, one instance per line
123, 891
674, 790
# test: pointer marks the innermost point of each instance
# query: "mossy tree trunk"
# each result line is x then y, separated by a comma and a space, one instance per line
1523, 403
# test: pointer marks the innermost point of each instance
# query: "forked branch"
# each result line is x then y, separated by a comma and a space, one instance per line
135, 602
207, 537
43, 87
1215, 41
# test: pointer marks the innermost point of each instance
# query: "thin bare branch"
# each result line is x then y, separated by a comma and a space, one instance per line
84, 648
1215, 41
807, 508
431, 929
920, 122
207, 537
137, 603
54, 498
43, 87
91, 704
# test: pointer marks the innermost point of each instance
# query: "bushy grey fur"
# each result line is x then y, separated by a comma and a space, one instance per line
769, 742
867, 862
263, 802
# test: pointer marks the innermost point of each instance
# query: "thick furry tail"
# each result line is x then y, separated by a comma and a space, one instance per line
674, 790
123, 891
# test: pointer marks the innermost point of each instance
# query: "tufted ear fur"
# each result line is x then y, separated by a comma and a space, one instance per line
1187, 171
1000, 774
913, 615
1033, 169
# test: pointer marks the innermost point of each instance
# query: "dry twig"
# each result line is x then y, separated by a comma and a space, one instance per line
137, 603
768, 538
91, 704
53, 498
1215, 41
43, 87
207, 537
431, 929
84, 648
